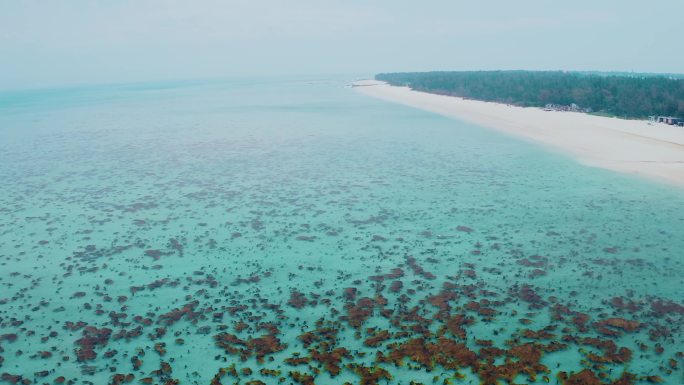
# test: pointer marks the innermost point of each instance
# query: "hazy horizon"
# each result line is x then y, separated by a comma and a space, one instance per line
45, 44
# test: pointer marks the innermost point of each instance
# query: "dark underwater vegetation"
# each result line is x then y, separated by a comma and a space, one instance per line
297, 232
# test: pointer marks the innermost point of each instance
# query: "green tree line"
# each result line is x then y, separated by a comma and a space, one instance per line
622, 95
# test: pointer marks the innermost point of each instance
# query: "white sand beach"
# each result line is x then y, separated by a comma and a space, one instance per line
654, 151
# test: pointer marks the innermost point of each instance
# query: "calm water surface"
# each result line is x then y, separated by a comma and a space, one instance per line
298, 232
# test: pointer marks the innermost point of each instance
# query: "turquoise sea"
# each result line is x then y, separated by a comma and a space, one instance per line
294, 231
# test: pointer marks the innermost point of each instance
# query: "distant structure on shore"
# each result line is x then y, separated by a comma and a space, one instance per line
560, 107
671, 120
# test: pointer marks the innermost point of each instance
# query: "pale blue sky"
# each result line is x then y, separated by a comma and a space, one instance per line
54, 42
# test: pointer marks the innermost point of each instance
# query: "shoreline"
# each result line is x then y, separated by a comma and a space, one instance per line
653, 151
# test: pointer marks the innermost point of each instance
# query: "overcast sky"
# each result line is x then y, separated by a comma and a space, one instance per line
55, 42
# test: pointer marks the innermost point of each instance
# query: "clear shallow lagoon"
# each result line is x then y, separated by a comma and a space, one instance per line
294, 228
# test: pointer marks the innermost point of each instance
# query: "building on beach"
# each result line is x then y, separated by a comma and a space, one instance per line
671, 120
561, 107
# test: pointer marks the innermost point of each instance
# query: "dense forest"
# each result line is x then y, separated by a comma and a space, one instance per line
622, 95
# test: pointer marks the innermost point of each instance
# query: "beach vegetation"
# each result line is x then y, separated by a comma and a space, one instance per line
632, 96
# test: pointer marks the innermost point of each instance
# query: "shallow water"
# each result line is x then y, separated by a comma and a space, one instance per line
205, 225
